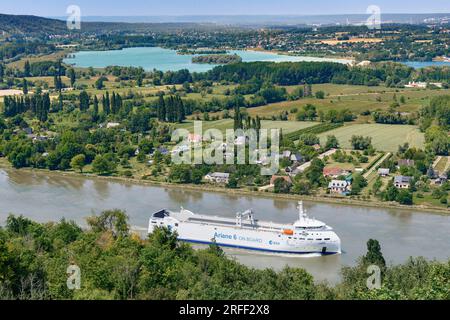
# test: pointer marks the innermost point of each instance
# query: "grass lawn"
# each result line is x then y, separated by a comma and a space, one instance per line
224, 124
384, 137
428, 199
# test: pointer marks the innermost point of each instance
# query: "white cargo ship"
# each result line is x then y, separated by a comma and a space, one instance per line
305, 236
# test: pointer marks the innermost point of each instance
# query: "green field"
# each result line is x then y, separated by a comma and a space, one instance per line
355, 98
222, 125
384, 137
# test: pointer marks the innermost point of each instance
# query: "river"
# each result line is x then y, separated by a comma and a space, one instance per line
49, 197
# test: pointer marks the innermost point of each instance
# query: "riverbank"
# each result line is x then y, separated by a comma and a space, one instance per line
369, 203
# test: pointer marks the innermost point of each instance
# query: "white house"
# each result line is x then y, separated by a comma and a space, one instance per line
340, 186
402, 182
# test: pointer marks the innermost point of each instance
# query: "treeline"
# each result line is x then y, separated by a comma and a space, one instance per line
391, 118
115, 264
172, 109
217, 59
39, 104
285, 73
11, 50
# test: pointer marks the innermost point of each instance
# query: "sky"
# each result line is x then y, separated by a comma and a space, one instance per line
51, 8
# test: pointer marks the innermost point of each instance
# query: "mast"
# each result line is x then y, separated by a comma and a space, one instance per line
302, 214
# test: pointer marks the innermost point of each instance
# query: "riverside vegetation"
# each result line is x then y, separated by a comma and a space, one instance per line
116, 264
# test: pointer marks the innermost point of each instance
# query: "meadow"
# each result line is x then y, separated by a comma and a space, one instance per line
384, 137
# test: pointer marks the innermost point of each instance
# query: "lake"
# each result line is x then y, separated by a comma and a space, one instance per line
162, 59
47, 197
426, 64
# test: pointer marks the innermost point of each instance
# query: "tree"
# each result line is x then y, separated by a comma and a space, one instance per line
405, 197
282, 186
232, 182
25, 86
114, 221
332, 143
72, 76
103, 165
84, 101
27, 69
78, 162
315, 172
320, 95
95, 110
361, 143
391, 192
359, 183
374, 255
99, 83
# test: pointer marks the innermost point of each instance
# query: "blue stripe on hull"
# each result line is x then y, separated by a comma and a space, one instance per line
257, 249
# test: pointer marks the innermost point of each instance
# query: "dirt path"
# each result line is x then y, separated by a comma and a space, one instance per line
377, 165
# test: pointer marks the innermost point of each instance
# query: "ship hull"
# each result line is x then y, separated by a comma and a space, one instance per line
319, 242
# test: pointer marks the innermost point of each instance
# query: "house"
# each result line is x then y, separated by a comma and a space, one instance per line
406, 163
340, 187
402, 182
286, 154
413, 84
112, 125
195, 138
163, 151
285, 178
218, 177
441, 180
297, 157
384, 172
28, 131
317, 147
334, 172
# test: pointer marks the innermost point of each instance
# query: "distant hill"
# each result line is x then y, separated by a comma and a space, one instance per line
13, 24
33, 25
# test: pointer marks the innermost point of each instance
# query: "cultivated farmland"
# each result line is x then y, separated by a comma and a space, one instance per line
384, 137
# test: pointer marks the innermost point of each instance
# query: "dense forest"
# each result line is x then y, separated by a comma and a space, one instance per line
114, 263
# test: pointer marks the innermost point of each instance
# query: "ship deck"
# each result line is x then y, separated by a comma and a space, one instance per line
228, 222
